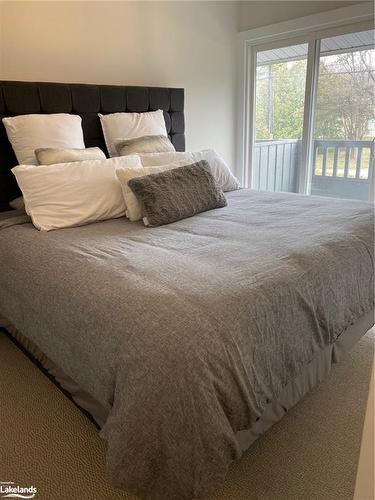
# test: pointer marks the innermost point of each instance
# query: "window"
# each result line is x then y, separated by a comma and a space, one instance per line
344, 117
279, 109
310, 121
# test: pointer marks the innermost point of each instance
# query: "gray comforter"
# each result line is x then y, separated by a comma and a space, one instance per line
186, 331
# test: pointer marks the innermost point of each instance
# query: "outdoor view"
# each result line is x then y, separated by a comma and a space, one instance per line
280, 100
344, 116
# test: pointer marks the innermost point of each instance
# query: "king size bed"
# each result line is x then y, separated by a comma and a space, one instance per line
185, 342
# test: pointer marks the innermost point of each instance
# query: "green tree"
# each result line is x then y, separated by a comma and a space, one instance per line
283, 89
345, 98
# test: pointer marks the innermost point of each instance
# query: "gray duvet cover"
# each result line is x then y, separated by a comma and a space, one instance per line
186, 332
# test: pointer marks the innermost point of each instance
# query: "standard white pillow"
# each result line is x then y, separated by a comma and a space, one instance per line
73, 194
50, 156
133, 207
220, 170
27, 133
118, 126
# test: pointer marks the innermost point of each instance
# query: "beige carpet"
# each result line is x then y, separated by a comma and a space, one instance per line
311, 454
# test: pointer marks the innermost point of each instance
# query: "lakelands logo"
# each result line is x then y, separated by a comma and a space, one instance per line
10, 490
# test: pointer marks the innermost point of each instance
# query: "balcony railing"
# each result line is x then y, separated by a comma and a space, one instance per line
276, 165
340, 168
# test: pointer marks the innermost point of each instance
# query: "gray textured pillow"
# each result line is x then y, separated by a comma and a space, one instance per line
50, 156
144, 144
176, 194
18, 203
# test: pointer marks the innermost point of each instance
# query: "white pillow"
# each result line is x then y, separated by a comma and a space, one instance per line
220, 170
49, 156
27, 133
73, 194
133, 207
118, 126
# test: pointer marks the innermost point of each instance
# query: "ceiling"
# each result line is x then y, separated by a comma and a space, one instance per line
334, 45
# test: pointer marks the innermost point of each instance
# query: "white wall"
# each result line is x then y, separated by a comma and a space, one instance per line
181, 44
256, 14
177, 44
1, 37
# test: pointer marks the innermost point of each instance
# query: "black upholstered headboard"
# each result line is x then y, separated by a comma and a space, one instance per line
19, 98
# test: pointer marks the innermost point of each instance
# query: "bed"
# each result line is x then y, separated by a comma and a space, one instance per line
188, 341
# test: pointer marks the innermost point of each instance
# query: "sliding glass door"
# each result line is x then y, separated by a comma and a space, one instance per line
279, 111
345, 117
313, 116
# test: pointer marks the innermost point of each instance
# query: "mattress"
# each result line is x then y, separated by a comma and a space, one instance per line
188, 334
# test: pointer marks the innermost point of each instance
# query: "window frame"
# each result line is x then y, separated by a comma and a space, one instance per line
310, 30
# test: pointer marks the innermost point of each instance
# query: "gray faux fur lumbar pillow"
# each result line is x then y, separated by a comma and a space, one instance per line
176, 194
144, 144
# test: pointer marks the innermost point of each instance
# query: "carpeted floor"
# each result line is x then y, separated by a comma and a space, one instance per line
311, 454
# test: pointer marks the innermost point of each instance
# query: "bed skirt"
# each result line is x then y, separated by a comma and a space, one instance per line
313, 373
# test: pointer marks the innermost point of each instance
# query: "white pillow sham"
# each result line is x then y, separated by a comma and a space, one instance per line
220, 170
73, 194
50, 156
118, 126
27, 133
133, 207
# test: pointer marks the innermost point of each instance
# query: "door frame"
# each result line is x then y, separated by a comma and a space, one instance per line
309, 29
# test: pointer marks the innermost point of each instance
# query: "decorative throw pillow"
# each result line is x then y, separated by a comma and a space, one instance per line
175, 194
73, 194
220, 170
17, 203
130, 125
133, 208
27, 133
144, 144
50, 156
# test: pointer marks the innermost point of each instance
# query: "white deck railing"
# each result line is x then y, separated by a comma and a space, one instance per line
340, 168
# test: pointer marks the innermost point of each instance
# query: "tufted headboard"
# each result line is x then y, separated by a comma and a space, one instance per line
19, 98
